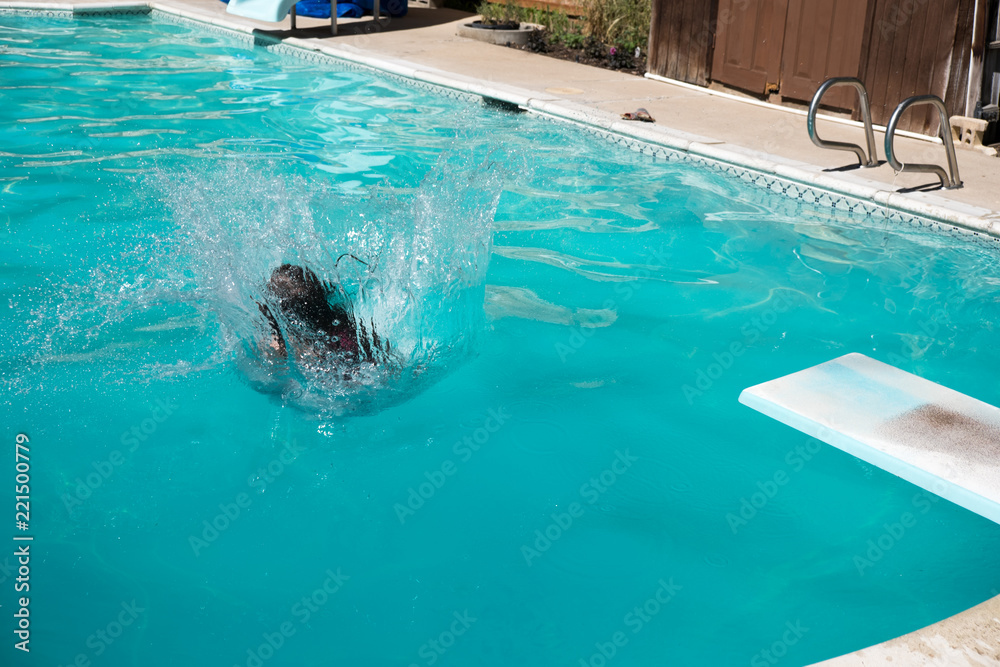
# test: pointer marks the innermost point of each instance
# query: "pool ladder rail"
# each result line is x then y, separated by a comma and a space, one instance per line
869, 160
949, 179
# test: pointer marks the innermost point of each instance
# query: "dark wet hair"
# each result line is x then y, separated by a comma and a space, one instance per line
301, 297
300, 294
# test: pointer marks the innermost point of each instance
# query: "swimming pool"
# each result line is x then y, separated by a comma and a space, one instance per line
576, 484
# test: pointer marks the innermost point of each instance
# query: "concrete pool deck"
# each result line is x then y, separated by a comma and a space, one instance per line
971, 638
424, 45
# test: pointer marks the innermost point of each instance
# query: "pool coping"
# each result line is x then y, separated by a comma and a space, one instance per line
970, 638
760, 168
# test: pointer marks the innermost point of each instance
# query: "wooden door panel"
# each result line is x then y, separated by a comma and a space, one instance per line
748, 43
909, 54
822, 40
681, 39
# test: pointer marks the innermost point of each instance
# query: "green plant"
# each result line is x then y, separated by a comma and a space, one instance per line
620, 58
594, 48
560, 28
537, 42
495, 13
623, 23
573, 40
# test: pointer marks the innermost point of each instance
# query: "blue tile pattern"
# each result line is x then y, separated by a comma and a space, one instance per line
864, 211
48, 13
111, 11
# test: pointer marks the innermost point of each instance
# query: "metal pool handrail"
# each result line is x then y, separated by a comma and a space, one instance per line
948, 180
871, 160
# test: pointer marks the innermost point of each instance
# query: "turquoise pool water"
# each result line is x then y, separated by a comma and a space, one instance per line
562, 477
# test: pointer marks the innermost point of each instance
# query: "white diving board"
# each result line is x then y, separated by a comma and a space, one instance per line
275, 11
932, 436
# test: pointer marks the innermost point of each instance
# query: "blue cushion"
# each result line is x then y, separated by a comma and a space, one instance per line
320, 9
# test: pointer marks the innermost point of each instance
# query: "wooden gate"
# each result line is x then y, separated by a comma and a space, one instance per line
918, 48
789, 46
898, 48
680, 39
748, 44
822, 39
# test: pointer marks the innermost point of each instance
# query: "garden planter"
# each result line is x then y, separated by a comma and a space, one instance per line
515, 34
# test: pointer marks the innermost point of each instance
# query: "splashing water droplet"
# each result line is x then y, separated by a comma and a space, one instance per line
184, 291
415, 296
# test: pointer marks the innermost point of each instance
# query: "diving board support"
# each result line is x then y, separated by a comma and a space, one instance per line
930, 435
275, 11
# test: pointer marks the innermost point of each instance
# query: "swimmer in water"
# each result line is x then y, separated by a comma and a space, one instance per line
320, 320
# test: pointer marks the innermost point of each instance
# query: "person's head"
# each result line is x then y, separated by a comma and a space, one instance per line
300, 295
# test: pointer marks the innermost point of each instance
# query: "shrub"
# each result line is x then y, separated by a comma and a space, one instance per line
574, 40
610, 29
496, 13
622, 23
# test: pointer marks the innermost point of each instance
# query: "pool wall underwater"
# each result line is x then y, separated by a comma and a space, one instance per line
795, 181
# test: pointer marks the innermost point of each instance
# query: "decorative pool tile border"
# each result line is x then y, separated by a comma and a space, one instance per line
112, 11
865, 203
244, 36
68, 10
306, 51
797, 193
45, 12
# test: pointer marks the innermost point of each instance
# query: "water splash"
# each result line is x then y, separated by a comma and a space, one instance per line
412, 263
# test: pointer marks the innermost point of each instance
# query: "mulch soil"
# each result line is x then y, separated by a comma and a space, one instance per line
593, 53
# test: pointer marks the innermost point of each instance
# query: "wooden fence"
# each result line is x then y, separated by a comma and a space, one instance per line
787, 48
570, 7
